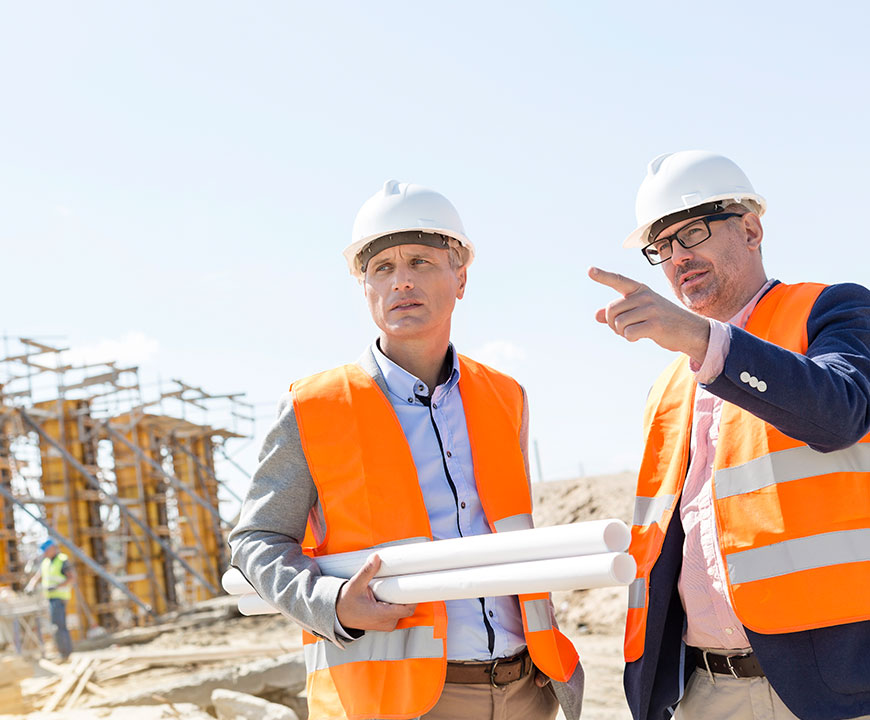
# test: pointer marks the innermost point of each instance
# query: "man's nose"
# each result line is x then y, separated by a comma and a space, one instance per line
403, 279
679, 254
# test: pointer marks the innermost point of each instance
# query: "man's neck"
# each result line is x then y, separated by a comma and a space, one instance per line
423, 359
738, 302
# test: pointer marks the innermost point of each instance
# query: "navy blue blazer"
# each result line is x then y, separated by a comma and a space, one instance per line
823, 399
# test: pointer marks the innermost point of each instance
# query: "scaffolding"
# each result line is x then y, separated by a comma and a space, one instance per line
128, 489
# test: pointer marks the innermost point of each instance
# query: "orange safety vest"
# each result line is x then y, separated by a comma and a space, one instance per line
369, 496
792, 522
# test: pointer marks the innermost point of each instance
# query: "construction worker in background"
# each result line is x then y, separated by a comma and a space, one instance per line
57, 580
411, 441
752, 518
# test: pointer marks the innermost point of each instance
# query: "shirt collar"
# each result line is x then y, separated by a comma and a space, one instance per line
742, 317
403, 384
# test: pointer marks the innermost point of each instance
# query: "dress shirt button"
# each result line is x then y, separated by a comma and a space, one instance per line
744, 377
411, 400
462, 505
449, 454
753, 382
490, 613
762, 386
729, 631
435, 405
419, 388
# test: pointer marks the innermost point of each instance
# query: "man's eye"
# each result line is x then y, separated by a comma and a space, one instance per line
419, 261
384, 266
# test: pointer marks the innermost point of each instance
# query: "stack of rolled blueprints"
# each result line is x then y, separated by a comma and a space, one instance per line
561, 557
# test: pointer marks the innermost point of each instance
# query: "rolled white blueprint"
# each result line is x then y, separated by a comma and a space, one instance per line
235, 583
582, 572
252, 604
585, 538
561, 557
589, 571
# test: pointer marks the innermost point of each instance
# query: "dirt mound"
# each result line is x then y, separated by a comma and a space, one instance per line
601, 610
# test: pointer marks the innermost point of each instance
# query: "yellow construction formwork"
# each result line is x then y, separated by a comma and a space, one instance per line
143, 490
72, 505
10, 565
201, 535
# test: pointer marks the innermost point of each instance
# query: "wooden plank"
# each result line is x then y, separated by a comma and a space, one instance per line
123, 671
80, 686
182, 656
66, 684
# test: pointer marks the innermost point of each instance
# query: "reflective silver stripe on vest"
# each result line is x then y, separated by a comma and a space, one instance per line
648, 510
787, 465
815, 551
514, 522
537, 615
404, 644
637, 593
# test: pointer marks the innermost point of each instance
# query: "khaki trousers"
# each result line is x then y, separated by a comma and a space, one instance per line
730, 698
521, 700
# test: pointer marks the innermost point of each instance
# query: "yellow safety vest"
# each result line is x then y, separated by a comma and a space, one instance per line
52, 577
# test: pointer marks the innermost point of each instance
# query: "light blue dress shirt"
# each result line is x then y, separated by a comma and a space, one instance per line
438, 437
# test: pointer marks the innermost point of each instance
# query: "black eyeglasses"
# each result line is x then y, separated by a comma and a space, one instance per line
688, 236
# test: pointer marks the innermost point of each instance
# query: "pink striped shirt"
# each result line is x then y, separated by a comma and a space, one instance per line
711, 622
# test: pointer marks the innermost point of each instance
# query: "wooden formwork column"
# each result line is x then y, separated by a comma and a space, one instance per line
197, 526
143, 490
11, 567
72, 507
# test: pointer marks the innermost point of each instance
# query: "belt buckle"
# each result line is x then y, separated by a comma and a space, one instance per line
730, 666
492, 674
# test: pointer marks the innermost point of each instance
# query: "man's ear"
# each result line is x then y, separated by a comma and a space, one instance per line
462, 276
754, 231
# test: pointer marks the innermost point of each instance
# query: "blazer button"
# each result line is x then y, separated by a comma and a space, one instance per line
744, 377
762, 386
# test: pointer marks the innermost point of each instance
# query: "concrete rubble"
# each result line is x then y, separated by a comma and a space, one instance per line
175, 711
231, 705
284, 674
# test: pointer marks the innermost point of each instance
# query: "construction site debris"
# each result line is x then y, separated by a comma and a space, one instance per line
231, 705
175, 711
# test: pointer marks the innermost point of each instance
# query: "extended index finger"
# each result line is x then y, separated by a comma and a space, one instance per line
620, 283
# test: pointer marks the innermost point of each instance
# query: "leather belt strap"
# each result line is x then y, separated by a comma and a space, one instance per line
739, 666
498, 672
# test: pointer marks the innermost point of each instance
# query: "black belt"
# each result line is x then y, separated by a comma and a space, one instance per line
739, 666
498, 672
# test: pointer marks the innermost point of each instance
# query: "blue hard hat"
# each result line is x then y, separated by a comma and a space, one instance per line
46, 545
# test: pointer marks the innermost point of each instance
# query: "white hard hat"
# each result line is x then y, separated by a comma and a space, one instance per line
678, 185
400, 208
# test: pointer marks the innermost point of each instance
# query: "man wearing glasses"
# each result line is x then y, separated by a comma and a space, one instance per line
752, 518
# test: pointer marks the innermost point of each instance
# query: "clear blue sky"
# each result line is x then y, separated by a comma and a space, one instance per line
181, 178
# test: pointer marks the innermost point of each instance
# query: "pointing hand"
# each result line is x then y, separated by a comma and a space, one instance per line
642, 313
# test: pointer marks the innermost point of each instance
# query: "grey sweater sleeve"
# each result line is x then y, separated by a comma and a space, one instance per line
266, 542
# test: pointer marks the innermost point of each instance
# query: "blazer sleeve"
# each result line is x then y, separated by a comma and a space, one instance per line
821, 398
266, 542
